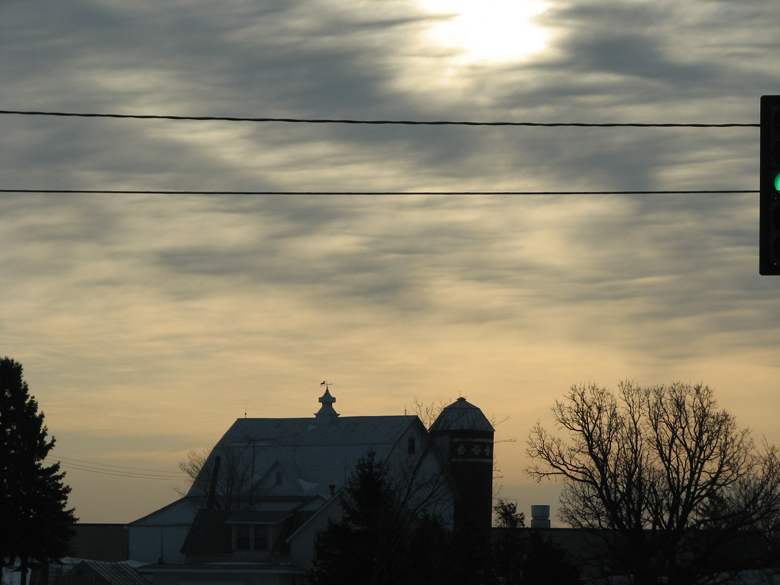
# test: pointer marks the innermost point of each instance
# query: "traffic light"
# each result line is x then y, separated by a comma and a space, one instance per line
769, 228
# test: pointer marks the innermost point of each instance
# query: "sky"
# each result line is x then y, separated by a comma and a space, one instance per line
147, 324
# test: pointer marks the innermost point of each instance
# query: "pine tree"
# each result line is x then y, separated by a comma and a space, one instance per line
360, 547
378, 541
37, 526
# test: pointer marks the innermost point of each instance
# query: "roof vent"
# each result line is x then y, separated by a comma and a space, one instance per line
326, 412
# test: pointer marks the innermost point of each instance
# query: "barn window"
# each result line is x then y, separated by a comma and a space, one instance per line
261, 537
410, 446
243, 537
252, 536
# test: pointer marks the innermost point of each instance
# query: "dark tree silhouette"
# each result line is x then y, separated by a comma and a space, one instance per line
379, 540
36, 524
669, 480
509, 546
522, 556
359, 548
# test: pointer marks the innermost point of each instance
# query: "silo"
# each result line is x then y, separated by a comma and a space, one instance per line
465, 437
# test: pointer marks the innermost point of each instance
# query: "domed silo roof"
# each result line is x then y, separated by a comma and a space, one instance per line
462, 416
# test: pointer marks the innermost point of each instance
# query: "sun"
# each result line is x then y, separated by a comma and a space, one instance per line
487, 30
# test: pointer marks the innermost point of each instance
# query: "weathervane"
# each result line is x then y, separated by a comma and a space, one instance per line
326, 384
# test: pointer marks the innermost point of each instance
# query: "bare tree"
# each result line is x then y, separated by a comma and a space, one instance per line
235, 485
667, 477
428, 413
191, 467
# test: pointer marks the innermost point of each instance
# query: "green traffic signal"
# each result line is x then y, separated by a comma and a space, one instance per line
769, 187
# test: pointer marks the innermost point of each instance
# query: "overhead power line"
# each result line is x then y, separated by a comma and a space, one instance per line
375, 122
99, 471
117, 470
257, 193
158, 471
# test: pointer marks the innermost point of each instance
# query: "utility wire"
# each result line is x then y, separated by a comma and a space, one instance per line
140, 475
82, 461
374, 122
76, 467
118, 470
258, 193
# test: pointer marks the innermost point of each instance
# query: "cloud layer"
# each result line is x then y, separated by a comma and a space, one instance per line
147, 323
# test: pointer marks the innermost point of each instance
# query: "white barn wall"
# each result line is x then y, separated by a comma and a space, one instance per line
303, 540
161, 534
425, 469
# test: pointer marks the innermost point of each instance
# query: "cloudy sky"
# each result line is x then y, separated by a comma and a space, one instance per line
147, 324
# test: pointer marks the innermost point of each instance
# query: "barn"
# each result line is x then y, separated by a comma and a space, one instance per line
270, 484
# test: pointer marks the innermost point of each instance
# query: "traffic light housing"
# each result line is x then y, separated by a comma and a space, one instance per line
769, 229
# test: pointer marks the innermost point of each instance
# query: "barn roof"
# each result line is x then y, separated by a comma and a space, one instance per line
313, 453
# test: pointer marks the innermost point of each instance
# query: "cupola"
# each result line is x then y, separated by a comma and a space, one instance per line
326, 412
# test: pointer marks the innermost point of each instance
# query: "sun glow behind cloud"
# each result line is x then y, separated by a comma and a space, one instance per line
488, 31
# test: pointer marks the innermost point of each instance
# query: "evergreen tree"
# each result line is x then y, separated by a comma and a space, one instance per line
359, 547
378, 541
522, 556
36, 524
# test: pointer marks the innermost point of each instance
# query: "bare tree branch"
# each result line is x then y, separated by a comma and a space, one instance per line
666, 477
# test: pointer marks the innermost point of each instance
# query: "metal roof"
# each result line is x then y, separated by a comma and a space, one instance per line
207, 571
462, 416
312, 454
114, 573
